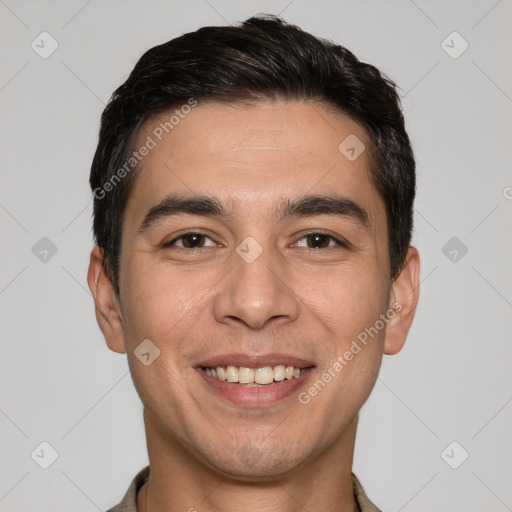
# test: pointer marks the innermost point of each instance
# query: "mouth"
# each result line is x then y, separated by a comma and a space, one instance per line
253, 377
255, 380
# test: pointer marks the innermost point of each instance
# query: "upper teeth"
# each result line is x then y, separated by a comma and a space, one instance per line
263, 375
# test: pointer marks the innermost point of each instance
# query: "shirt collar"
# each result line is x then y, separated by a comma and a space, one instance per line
129, 502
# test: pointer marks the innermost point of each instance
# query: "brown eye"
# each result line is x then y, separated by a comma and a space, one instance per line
319, 241
191, 241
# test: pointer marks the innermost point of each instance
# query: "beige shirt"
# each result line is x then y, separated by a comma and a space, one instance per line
129, 502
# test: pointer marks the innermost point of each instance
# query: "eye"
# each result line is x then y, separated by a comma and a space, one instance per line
319, 241
190, 241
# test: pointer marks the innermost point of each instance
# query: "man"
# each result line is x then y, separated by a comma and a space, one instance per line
253, 201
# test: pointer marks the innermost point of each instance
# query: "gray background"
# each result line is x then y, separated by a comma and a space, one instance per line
59, 383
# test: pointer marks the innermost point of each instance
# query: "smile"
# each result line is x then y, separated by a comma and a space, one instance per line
253, 377
255, 380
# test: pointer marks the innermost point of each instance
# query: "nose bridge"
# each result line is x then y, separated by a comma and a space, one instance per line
254, 292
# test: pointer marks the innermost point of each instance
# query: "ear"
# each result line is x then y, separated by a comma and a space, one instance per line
106, 303
404, 297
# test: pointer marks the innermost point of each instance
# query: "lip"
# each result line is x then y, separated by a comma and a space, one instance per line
255, 361
260, 396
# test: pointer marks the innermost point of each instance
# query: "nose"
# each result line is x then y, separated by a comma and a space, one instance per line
256, 293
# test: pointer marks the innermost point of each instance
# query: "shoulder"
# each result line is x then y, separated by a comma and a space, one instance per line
129, 501
365, 505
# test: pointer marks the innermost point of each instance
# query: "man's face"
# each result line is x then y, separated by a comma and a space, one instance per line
212, 299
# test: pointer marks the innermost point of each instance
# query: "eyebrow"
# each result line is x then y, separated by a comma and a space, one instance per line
304, 206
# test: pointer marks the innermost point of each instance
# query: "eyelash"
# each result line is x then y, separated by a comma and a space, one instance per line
332, 237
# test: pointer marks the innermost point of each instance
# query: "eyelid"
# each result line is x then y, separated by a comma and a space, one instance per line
191, 231
338, 239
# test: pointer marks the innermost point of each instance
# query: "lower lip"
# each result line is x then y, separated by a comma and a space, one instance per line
260, 395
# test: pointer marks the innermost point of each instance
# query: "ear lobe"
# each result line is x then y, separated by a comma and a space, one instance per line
403, 301
106, 303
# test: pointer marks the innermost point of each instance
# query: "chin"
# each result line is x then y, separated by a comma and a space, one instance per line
253, 463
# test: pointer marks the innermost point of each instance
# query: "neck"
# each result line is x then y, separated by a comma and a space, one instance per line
178, 481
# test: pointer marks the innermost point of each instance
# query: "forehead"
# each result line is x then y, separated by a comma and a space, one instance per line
249, 155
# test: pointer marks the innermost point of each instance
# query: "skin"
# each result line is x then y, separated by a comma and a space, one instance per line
198, 303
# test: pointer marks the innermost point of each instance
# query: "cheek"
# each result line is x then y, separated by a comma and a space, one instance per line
347, 299
163, 307
160, 303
